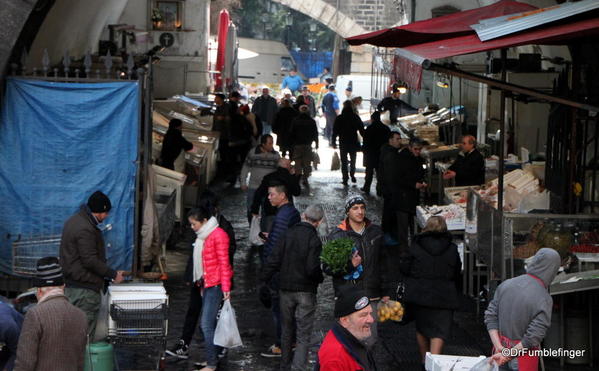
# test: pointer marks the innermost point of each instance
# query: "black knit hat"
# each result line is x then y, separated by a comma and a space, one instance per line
354, 200
48, 272
98, 202
350, 300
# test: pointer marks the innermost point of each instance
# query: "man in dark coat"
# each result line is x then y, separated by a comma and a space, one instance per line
283, 175
266, 108
83, 257
308, 100
287, 216
388, 160
304, 132
469, 168
408, 177
297, 259
375, 136
346, 127
395, 106
173, 144
282, 126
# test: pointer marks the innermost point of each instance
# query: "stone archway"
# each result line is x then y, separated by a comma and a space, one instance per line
326, 14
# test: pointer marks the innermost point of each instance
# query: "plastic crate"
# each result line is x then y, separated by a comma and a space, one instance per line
138, 321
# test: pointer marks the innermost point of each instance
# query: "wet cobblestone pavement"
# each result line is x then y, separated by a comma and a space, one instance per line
396, 348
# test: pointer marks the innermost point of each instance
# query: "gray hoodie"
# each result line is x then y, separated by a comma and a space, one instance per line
521, 308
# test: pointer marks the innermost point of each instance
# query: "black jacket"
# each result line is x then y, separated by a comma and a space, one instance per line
282, 125
347, 126
301, 100
433, 268
297, 258
172, 145
281, 175
469, 168
370, 248
303, 131
82, 254
225, 225
396, 107
388, 158
403, 176
375, 135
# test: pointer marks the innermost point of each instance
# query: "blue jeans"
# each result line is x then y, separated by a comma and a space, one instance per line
210, 305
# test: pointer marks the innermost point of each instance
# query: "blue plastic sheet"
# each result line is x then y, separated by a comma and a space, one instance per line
60, 142
311, 64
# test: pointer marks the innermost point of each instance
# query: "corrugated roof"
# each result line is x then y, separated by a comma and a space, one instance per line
493, 28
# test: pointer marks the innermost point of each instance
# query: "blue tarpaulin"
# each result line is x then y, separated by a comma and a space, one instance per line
60, 142
311, 64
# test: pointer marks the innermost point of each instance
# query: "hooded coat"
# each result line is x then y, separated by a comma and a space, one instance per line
433, 268
521, 307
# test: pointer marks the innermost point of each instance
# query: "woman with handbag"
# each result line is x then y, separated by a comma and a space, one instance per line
211, 273
433, 268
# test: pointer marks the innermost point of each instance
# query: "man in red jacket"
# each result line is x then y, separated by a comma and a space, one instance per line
344, 348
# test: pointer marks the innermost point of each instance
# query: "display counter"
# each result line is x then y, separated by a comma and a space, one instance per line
523, 235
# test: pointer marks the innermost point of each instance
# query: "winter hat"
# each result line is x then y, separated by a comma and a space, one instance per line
48, 272
350, 300
353, 200
98, 202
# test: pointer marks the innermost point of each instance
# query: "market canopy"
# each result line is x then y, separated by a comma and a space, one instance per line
417, 46
439, 28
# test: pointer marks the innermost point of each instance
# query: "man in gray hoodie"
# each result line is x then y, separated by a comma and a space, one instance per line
520, 313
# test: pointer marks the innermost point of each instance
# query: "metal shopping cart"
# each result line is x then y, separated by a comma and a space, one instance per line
138, 317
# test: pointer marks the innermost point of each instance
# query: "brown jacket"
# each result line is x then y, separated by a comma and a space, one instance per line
82, 254
53, 337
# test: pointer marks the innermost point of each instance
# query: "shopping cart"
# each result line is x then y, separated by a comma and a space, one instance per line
139, 318
27, 251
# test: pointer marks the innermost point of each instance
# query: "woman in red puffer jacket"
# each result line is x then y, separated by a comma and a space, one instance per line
212, 273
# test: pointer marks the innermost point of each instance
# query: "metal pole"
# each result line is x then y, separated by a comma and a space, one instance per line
501, 160
508, 87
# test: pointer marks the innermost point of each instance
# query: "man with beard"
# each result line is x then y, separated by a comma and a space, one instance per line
344, 348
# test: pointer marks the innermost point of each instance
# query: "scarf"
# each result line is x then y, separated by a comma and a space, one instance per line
198, 247
49, 293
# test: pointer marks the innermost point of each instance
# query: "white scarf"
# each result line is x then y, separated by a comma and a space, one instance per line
198, 246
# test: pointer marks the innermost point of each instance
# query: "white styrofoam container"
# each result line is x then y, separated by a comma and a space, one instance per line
441, 362
125, 295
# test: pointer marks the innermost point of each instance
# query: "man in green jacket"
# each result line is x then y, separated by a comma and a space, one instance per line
83, 257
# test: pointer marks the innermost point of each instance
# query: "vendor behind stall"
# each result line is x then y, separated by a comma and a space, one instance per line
395, 106
173, 144
469, 168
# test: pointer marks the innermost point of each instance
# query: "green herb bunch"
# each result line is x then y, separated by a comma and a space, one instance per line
336, 253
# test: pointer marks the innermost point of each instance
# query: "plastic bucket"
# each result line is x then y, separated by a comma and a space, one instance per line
99, 357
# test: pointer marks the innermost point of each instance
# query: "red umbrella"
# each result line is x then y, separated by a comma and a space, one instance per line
223, 28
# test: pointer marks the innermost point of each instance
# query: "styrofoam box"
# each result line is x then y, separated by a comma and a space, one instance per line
441, 362
153, 294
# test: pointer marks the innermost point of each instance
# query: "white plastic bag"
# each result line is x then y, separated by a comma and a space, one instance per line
484, 365
226, 334
255, 231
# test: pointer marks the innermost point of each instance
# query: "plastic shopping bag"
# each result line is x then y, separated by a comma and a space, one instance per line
226, 334
335, 162
484, 365
255, 231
